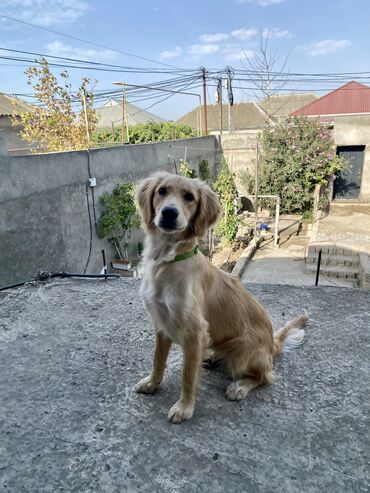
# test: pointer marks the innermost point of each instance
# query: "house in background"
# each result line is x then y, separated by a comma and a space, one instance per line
281, 106
248, 116
244, 117
110, 115
10, 134
347, 111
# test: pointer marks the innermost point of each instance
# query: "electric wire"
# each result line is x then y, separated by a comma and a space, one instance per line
92, 43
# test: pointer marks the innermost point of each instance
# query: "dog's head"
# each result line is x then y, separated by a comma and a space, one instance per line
177, 205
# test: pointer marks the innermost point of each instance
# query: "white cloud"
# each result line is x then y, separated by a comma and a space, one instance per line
325, 46
205, 49
244, 34
57, 48
263, 3
170, 53
45, 12
275, 32
239, 55
213, 38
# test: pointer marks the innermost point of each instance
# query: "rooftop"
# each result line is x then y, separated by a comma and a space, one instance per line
111, 112
13, 106
351, 98
283, 105
243, 116
72, 350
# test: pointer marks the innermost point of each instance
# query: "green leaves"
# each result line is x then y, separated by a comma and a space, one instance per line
119, 216
146, 132
228, 194
295, 156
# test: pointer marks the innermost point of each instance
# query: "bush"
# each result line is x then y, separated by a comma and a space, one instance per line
228, 194
145, 132
204, 173
119, 217
186, 171
295, 156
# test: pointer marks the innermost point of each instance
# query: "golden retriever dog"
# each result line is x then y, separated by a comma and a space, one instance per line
193, 303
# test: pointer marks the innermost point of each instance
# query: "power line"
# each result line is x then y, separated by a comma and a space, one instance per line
13, 19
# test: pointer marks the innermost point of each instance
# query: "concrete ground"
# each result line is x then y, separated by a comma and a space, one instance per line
349, 230
285, 265
72, 350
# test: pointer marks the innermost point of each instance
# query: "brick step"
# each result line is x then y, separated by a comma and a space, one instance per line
332, 259
343, 272
313, 249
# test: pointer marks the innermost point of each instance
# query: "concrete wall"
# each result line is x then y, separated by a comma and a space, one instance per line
355, 130
44, 223
13, 142
240, 154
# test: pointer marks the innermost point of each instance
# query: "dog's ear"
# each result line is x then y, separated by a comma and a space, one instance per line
208, 211
144, 196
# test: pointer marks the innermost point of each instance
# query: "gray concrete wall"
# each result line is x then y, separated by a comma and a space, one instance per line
44, 223
239, 153
13, 142
355, 130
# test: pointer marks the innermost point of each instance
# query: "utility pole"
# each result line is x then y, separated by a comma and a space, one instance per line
256, 194
123, 114
205, 123
219, 100
230, 95
85, 113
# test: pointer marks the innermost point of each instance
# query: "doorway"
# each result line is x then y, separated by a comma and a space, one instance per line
347, 183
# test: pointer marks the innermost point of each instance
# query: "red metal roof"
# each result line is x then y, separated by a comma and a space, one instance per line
353, 97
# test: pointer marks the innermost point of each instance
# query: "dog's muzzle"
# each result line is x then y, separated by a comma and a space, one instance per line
168, 219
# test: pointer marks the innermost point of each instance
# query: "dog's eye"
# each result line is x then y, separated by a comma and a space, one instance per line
189, 197
162, 191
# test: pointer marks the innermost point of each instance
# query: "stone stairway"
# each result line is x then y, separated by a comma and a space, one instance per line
344, 239
335, 262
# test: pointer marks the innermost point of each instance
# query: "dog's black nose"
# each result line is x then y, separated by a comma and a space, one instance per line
169, 214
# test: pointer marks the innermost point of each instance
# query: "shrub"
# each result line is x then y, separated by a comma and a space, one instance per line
145, 132
295, 156
228, 194
204, 170
186, 171
119, 217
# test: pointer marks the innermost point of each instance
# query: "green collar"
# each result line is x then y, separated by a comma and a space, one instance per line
186, 255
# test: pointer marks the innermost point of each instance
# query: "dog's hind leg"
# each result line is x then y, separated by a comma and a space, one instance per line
248, 372
239, 389
149, 384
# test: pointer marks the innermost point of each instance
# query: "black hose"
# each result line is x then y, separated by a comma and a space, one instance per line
87, 276
43, 276
90, 226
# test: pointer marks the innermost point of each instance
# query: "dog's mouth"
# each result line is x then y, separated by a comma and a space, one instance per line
169, 227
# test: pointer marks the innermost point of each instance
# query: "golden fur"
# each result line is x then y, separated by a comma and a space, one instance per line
196, 305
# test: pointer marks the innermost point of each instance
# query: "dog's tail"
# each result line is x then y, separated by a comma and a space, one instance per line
291, 335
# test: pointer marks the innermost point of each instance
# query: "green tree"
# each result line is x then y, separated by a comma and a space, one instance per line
119, 217
295, 156
54, 125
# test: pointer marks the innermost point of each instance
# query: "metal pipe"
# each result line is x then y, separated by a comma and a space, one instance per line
318, 268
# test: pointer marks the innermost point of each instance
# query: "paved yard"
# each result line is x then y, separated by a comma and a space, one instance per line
71, 352
285, 265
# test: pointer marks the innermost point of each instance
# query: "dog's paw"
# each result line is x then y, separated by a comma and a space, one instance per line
180, 412
146, 386
236, 392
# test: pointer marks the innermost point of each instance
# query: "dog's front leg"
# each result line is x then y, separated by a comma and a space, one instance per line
149, 384
193, 349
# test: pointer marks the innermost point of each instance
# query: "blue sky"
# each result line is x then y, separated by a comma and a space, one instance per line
317, 36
